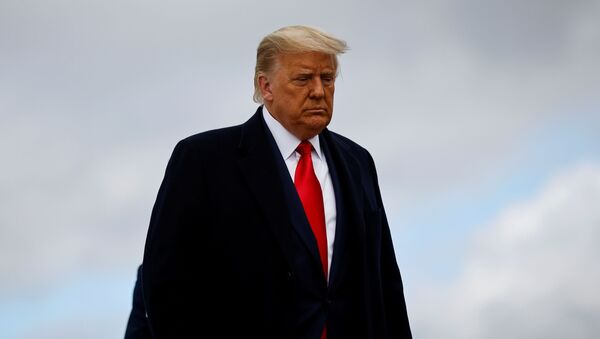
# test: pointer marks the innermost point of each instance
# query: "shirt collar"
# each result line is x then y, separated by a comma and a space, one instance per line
286, 141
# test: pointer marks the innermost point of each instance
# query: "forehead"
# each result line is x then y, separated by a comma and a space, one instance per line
316, 61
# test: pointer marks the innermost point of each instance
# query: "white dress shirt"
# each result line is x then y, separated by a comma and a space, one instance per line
287, 144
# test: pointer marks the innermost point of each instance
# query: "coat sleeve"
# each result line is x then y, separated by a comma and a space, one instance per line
169, 286
396, 316
137, 325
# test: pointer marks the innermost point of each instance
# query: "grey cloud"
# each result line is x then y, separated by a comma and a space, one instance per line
531, 273
457, 105
522, 31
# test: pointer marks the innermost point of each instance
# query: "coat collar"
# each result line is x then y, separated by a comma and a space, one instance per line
345, 173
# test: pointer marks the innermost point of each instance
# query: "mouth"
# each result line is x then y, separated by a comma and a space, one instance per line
316, 110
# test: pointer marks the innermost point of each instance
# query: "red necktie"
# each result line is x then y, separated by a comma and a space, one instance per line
309, 190
310, 193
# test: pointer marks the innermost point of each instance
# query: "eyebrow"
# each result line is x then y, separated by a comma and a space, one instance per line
310, 72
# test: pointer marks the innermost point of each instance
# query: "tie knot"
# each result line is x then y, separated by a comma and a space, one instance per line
305, 148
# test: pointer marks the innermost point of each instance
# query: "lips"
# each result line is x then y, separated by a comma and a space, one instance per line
317, 110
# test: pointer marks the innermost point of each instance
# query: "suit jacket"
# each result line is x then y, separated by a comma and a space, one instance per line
229, 249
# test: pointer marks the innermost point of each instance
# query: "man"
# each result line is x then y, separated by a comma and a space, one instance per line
274, 228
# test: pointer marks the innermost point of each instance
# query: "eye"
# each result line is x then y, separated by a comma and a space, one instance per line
327, 79
301, 80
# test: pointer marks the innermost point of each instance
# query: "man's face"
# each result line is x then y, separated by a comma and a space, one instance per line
299, 92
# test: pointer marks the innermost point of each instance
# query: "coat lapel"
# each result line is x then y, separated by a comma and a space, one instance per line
262, 166
345, 176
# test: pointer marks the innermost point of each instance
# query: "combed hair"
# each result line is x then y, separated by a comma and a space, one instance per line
291, 40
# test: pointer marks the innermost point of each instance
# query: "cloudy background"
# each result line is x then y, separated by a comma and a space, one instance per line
483, 118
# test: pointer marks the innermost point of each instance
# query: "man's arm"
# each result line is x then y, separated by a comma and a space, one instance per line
393, 291
169, 286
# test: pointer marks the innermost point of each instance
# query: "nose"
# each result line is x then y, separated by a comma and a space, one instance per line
317, 89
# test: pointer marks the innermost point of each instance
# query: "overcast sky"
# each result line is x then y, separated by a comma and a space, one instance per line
482, 117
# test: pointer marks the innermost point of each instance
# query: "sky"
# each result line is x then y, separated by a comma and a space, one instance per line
482, 117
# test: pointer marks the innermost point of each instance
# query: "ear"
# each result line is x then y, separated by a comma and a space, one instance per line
264, 84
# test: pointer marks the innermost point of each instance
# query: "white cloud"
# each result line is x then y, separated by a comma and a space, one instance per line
532, 273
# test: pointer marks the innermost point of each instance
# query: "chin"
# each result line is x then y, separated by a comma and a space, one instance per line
308, 128
314, 130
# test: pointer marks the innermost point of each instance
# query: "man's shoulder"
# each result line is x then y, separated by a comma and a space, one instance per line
349, 147
210, 139
345, 141
222, 138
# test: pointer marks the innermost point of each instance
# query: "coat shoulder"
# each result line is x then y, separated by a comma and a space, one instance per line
211, 138
351, 148
223, 139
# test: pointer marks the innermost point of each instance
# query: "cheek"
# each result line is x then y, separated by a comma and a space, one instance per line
293, 95
330, 90
330, 94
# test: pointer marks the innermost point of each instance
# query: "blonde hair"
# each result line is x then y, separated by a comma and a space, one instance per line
291, 40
